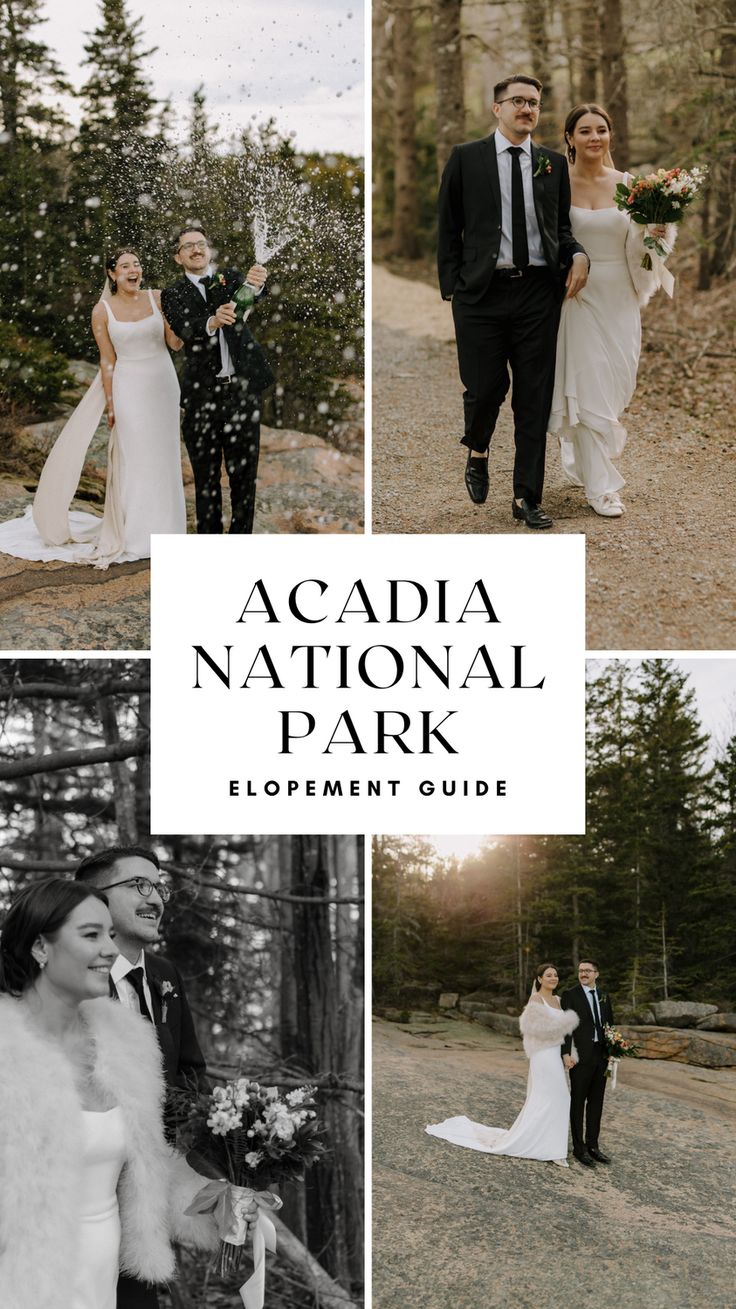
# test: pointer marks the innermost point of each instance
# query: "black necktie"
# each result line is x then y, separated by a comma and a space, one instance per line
597, 1014
135, 977
519, 243
206, 282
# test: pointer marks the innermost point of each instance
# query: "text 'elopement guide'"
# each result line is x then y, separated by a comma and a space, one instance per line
383, 683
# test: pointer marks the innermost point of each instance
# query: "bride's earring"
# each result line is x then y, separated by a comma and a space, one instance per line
571, 153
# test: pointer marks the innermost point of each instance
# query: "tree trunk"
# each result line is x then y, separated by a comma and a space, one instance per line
535, 19
122, 781
406, 196
665, 977
448, 76
615, 92
725, 171
143, 772
590, 44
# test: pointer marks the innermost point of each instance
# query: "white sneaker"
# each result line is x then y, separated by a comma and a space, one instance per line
608, 505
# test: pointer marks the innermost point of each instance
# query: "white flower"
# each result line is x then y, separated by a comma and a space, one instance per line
272, 1092
222, 1121
297, 1096
253, 1158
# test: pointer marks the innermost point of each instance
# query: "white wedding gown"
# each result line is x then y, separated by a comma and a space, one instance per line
99, 1228
540, 1131
598, 347
144, 492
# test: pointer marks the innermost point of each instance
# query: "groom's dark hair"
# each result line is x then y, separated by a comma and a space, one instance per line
592, 963
500, 87
95, 865
190, 227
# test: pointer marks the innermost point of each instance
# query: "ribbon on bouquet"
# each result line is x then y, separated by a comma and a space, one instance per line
231, 1206
613, 1070
663, 274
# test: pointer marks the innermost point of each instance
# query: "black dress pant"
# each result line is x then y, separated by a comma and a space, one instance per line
513, 326
587, 1089
135, 1295
223, 422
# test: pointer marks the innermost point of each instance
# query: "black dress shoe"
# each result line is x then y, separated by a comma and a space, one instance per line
585, 1159
476, 479
532, 515
598, 1155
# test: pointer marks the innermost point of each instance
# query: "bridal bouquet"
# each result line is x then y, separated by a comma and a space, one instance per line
660, 197
253, 1137
617, 1048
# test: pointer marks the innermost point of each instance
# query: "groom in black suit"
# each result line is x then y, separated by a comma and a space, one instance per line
504, 247
224, 374
145, 982
588, 1075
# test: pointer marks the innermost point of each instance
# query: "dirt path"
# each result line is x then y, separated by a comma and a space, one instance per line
661, 577
455, 1229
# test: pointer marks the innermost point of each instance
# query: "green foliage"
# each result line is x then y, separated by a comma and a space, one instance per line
649, 890
68, 200
31, 374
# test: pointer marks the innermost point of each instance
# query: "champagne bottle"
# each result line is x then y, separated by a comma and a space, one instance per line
245, 298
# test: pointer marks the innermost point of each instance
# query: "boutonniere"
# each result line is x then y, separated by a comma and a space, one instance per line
166, 992
218, 279
544, 165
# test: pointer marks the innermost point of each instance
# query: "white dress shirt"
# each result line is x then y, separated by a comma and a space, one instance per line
126, 993
590, 991
226, 369
534, 239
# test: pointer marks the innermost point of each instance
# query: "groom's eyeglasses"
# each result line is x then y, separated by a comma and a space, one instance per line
518, 101
194, 245
143, 886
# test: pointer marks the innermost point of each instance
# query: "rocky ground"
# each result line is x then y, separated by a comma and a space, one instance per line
660, 577
305, 485
454, 1229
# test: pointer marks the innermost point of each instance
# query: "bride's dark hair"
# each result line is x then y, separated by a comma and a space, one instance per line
574, 117
540, 971
38, 910
111, 261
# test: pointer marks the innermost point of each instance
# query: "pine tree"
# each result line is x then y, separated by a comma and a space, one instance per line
31, 167
119, 194
669, 746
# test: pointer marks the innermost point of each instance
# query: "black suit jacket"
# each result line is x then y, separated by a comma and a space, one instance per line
469, 234
183, 1061
188, 313
587, 1047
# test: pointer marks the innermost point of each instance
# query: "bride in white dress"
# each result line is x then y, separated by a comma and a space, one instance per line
138, 388
599, 338
89, 1184
541, 1129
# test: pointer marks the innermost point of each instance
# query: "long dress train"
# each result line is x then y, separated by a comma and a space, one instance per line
144, 492
541, 1129
99, 1228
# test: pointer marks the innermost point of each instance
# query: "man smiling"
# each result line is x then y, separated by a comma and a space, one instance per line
504, 246
147, 983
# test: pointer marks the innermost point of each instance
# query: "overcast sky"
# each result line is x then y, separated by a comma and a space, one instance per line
301, 64
714, 682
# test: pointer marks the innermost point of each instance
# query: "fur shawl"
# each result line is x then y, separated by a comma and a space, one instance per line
542, 1026
40, 1154
646, 283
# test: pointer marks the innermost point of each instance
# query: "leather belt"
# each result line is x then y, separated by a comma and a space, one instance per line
507, 273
